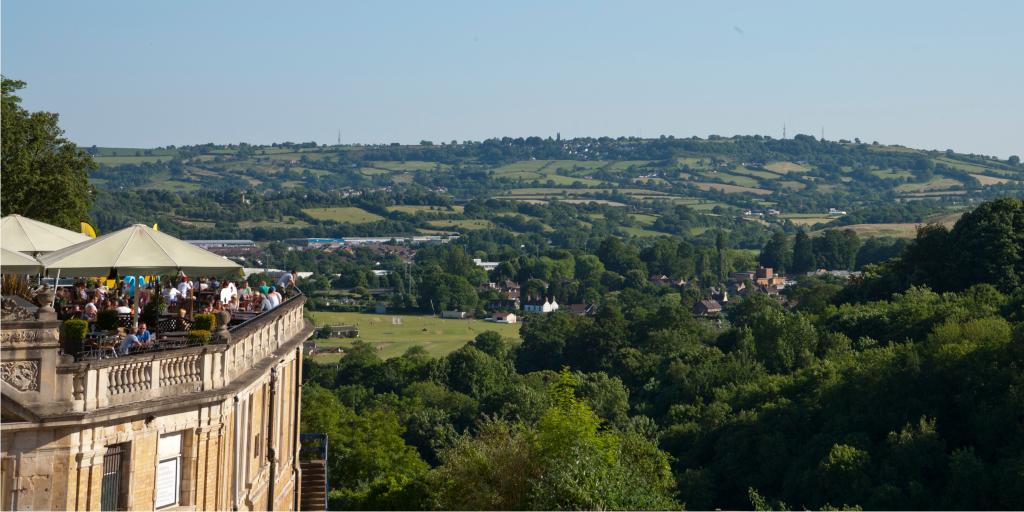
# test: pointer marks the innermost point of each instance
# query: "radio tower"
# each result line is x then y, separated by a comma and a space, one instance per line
339, 136
783, 131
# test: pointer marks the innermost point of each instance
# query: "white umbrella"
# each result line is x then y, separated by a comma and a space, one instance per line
30, 236
134, 251
13, 262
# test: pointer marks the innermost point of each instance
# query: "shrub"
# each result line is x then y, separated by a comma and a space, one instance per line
152, 310
204, 322
106, 320
199, 337
74, 335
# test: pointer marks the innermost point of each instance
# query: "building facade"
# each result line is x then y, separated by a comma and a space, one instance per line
212, 427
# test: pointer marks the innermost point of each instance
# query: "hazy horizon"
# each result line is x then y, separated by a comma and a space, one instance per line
120, 74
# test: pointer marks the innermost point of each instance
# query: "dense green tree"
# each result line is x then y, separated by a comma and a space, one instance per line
803, 253
45, 176
777, 253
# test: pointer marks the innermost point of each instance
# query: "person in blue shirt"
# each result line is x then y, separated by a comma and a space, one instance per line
142, 338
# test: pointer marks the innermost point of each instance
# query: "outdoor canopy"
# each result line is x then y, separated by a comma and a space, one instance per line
13, 262
137, 250
26, 235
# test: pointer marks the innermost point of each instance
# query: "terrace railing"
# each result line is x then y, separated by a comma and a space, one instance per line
133, 378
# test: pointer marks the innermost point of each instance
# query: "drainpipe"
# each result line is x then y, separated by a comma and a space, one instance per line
238, 449
296, 405
270, 438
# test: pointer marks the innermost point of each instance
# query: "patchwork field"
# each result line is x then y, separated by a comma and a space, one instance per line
417, 208
438, 336
784, 167
936, 183
348, 214
122, 160
989, 180
730, 189
410, 166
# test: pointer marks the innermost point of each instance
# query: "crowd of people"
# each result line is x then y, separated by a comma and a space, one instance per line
184, 295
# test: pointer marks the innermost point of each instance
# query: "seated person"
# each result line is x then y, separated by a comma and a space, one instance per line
264, 302
171, 294
264, 289
225, 293
122, 308
275, 298
246, 292
90, 310
142, 338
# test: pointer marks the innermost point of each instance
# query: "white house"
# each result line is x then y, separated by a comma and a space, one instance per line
541, 307
504, 317
486, 265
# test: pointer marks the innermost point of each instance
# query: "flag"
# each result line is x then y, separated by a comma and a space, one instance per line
155, 228
88, 230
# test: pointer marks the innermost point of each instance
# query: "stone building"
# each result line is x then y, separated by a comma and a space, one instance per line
212, 427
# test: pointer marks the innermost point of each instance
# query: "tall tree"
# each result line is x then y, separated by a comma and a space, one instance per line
803, 252
777, 253
45, 176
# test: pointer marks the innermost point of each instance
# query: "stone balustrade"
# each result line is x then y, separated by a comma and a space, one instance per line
132, 379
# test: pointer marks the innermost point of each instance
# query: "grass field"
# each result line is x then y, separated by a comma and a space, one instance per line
417, 208
936, 183
644, 219
285, 222
784, 167
462, 224
173, 186
348, 214
411, 165
113, 161
989, 180
437, 336
806, 219
730, 189
891, 174
754, 173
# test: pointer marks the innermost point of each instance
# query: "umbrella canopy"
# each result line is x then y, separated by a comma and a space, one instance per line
30, 236
12, 262
137, 250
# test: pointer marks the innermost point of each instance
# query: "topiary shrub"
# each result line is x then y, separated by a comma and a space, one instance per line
106, 320
74, 336
204, 322
199, 337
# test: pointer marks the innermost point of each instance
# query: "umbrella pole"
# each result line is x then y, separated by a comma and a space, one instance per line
135, 306
56, 283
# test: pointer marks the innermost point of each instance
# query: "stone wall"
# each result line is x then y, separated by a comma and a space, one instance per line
235, 405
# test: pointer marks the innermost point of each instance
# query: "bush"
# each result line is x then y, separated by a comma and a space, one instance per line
74, 336
152, 310
106, 320
199, 337
204, 322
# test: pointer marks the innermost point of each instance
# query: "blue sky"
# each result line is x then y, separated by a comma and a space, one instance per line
934, 75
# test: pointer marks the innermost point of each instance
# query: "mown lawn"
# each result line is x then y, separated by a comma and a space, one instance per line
438, 336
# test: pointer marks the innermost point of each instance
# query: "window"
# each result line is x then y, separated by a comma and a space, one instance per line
168, 470
114, 484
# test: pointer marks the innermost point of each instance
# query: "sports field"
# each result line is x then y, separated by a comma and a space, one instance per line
392, 335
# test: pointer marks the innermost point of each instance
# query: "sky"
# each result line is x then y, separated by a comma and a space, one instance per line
932, 75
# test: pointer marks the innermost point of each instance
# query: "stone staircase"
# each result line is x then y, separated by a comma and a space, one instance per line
313, 495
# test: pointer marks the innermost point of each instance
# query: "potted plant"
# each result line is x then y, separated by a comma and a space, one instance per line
106, 320
199, 337
204, 322
74, 336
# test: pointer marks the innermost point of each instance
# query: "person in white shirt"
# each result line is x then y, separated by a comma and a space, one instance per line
275, 298
171, 294
184, 286
122, 307
225, 293
286, 281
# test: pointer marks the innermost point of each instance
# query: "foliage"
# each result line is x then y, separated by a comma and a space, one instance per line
199, 337
45, 176
106, 320
204, 321
74, 332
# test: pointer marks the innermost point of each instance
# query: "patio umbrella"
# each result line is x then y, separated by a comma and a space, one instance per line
30, 236
13, 262
134, 251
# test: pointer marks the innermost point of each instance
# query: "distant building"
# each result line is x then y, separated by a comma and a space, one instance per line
227, 247
833, 211
504, 317
486, 265
707, 308
545, 306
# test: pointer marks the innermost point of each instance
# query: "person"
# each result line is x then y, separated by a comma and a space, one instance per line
122, 308
90, 310
246, 292
287, 280
225, 292
234, 304
265, 303
264, 289
171, 294
140, 339
184, 286
275, 298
